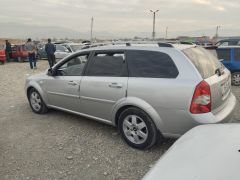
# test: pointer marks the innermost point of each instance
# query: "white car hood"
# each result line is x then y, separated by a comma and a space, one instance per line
208, 152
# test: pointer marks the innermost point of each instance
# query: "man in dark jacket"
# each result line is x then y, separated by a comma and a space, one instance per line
50, 50
8, 50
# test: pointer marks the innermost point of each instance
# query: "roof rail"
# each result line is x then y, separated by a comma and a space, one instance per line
160, 44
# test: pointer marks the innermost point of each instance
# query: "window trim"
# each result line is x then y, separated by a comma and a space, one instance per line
91, 61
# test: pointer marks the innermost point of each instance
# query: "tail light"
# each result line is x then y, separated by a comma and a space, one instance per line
201, 101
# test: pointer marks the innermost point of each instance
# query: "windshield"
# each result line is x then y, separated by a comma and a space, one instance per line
76, 47
205, 62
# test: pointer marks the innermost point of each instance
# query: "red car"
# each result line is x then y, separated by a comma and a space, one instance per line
19, 53
2, 56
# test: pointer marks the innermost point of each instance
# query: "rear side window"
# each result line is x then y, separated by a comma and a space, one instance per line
205, 62
151, 64
237, 54
224, 54
107, 64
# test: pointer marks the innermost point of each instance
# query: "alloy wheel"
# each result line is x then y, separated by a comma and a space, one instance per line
135, 129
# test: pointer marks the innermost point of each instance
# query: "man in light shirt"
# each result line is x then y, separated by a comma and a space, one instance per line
31, 48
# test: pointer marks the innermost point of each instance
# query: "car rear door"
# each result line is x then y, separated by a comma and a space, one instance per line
104, 83
217, 76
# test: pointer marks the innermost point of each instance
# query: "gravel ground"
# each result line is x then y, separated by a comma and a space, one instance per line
60, 145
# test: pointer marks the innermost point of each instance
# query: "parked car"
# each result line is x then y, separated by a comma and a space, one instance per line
2, 56
146, 92
41, 53
208, 152
230, 57
63, 50
19, 53
228, 42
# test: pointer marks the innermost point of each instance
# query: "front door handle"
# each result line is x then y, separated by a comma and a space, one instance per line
73, 83
115, 85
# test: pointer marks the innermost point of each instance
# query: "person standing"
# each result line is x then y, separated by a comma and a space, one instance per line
8, 50
50, 50
30, 47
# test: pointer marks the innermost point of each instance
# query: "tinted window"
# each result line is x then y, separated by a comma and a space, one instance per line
237, 54
73, 67
224, 54
107, 64
151, 64
205, 62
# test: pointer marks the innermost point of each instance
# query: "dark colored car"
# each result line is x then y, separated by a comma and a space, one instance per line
230, 57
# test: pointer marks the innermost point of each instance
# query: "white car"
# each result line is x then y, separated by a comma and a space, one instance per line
63, 50
207, 152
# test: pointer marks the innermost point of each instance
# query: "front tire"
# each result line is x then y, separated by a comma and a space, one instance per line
137, 128
236, 79
36, 102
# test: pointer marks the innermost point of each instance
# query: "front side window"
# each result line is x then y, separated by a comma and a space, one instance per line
108, 64
151, 64
224, 54
73, 67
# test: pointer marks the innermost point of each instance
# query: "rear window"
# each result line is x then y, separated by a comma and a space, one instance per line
205, 62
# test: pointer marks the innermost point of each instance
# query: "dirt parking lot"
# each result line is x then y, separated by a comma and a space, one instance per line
60, 145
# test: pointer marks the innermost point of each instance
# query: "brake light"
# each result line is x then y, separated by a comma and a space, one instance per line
201, 101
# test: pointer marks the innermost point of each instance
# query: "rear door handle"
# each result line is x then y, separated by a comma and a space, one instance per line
73, 83
115, 85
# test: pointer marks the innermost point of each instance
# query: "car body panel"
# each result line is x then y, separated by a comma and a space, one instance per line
231, 62
209, 152
2, 55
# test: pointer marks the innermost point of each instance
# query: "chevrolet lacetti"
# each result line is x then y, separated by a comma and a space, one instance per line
148, 93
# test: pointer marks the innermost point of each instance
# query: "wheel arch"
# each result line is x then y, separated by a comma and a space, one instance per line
126, 103
34, 85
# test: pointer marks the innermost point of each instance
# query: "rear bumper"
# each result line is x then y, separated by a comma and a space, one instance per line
221, 116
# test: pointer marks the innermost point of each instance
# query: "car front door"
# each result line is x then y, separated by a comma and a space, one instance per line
63, 89
104, 83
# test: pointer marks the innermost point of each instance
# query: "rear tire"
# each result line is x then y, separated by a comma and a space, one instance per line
36, 102
137, 128
236, 79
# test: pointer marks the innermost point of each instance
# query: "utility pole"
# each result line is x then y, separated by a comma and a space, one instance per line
166, 33
154, 16
91, 38
217, 31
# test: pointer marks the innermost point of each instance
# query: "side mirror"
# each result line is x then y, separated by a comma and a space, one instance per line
50, 72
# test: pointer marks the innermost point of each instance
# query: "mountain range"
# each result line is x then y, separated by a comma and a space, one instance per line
18, 30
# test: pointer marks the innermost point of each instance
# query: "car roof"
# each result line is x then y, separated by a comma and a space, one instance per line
154, 47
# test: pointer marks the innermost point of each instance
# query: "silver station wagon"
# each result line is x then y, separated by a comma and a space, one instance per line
148, 93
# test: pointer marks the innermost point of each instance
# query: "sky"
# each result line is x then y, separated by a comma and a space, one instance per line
125, 16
